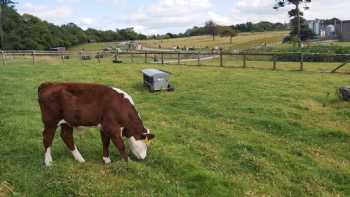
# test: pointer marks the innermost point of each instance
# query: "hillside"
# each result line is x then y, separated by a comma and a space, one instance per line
242, 41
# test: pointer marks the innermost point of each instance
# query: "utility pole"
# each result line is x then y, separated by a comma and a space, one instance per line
299, 24
1, 29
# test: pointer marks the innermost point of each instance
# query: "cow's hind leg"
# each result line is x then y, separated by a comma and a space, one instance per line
48, 135
67, 136
105, 142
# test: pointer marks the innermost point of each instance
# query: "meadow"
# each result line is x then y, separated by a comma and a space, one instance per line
222, 132
242, 41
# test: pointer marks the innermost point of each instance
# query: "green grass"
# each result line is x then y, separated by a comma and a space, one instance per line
223, 132
242, 41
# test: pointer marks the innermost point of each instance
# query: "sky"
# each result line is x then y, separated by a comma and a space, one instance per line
175, 16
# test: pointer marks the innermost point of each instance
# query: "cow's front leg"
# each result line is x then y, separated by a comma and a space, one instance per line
67, 137
114, 132
105, 137
48, 135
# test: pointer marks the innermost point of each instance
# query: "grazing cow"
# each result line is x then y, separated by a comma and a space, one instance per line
71, 105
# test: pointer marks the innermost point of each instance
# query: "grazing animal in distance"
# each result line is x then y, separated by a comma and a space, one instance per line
73, 105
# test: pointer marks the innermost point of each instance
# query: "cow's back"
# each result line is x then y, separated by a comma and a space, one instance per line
76, 103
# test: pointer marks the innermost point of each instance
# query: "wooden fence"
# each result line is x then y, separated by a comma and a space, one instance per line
219, 58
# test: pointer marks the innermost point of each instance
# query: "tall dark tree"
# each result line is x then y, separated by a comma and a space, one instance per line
4, 4
295, 13
211, 27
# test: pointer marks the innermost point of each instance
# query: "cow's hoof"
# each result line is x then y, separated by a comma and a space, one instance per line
81, 160
106, 160
48, 163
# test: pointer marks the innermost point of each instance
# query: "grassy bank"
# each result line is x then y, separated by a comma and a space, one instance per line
223, 132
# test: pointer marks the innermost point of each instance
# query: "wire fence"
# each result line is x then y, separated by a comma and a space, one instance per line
274, 61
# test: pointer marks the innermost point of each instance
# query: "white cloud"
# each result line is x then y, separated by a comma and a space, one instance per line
324, 9
219, 19
161, 16
172, 15
86, 22
51, 14
114, 2
258, 10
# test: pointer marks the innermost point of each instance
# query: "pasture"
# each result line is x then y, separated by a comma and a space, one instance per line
242, 41
223, 132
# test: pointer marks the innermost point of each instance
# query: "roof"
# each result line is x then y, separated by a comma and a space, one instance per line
154, 72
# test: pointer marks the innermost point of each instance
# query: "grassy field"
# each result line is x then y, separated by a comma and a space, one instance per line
223, 132
242, 41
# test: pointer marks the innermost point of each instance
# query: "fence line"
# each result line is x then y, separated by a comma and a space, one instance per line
182, 57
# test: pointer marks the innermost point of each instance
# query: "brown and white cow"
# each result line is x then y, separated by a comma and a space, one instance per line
71, 105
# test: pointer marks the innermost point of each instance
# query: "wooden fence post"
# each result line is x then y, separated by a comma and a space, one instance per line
178, 58
81, 57
162, 56
115, 57
62, 57
198, 58
145, 57
221, 58
33, 56
301, 61
3, 57
274, 58
244, 61
98, 57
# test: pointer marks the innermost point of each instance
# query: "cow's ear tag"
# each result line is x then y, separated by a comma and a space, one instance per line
147, 141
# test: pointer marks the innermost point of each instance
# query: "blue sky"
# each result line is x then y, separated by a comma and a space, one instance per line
161, 16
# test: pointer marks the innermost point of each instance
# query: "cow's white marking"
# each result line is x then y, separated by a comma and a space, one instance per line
107, 160
77, 156
48, 157
80, 128
121, 131
61, 122
138, 148
126, 95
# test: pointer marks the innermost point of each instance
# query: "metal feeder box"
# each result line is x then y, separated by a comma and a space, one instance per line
156, 80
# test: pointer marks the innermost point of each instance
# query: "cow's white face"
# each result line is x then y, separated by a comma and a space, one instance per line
138, 147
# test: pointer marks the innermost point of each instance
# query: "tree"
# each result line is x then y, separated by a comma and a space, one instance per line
4, 4
211, 28
296, 13
228, 31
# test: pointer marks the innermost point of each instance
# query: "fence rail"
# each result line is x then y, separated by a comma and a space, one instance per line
219, 58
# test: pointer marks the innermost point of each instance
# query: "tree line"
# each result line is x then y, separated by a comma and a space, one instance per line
30, 32
210, 28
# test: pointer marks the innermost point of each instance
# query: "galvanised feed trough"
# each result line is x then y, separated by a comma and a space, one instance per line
156, 80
